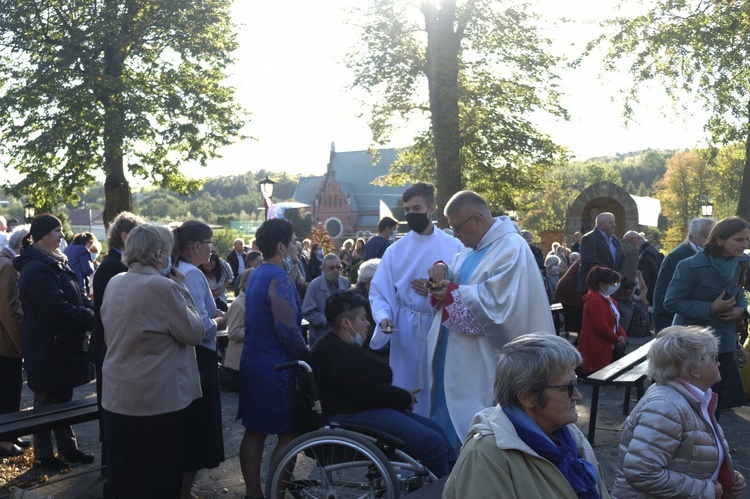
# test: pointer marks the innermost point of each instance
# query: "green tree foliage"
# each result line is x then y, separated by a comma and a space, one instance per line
479, 69
699, 49
684, 187
103, 86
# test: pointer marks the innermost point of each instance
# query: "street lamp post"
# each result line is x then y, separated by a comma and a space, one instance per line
266, 188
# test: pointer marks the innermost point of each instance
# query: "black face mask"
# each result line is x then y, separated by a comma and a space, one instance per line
417, 222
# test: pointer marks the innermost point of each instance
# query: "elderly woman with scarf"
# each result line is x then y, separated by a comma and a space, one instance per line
707, 290
528, 445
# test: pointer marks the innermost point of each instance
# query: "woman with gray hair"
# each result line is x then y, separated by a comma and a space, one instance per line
362, 288
672, 445
151, 326
528, 445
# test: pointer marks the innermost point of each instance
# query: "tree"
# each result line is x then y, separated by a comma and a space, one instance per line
685, 186
100, 86
479, 69
695, 48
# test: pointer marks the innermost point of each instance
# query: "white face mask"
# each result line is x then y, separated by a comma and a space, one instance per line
93, 256
165, 271
612, 289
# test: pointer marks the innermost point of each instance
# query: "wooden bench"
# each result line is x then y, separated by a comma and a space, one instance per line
17, 424
629, 371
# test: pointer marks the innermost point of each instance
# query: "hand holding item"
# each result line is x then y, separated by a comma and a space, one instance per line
221, 319
386, 325
722, 304
438, 272
621, 341
439, 289
414, 397
419, 286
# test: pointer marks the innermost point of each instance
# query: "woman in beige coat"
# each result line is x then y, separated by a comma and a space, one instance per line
150, 372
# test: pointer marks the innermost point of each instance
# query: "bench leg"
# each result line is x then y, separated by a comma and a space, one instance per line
639, 390
592, 417
626, 402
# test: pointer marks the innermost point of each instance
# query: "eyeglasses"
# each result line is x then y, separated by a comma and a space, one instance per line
457, 228
333, 267
210, 243
714, 357
571, 387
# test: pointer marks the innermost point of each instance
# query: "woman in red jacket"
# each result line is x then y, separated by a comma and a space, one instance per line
601, 330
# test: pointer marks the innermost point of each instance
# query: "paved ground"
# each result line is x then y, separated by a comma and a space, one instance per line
226, 482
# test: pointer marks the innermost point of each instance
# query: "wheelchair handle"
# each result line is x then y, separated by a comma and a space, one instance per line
294, 363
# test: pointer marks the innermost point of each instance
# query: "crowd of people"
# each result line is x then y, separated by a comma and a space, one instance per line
444, 339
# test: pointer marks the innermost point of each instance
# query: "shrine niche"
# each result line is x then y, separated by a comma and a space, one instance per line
598, 198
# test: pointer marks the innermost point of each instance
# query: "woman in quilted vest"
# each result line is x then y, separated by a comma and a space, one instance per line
672, 445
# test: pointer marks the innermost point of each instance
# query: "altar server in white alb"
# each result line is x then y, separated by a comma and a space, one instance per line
398, 292
490, 293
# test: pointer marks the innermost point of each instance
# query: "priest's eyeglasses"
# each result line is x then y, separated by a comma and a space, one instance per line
457, 228
571, 387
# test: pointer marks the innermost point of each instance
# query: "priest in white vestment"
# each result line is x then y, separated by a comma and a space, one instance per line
398, 293
492, 292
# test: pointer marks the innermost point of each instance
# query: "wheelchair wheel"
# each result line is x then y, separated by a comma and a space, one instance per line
332, 464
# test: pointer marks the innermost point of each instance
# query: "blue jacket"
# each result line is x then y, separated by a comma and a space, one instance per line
79, 261
695, 285
662, 317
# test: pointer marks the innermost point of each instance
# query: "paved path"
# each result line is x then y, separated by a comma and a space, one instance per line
226, 482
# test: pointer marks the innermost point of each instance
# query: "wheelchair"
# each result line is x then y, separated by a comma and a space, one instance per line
339, 461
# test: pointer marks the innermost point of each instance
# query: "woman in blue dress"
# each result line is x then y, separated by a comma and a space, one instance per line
273, 316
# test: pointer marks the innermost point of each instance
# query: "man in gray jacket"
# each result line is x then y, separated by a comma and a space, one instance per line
320, 288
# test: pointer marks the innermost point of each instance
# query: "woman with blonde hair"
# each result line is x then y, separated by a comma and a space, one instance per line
672, 446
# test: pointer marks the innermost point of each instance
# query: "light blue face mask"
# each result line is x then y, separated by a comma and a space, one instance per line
165, 271
357, 340
612, 289
287, 261
93, 256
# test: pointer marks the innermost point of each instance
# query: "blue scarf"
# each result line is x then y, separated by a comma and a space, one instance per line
726, 268
558, 448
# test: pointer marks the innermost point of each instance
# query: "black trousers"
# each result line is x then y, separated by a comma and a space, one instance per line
11, 382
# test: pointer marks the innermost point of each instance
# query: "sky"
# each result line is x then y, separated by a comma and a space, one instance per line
290, 75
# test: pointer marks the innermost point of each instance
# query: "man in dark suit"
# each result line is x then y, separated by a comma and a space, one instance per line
236, 260
601, 248
111, 266
529, 238
576, 246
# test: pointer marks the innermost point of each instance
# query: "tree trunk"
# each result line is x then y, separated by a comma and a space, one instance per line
116, 190
743, 206
117, 193
443, 47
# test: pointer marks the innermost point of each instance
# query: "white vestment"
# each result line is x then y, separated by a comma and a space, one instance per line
391, 297
502, 299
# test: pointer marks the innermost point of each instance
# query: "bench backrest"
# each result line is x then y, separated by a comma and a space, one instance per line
615, 368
